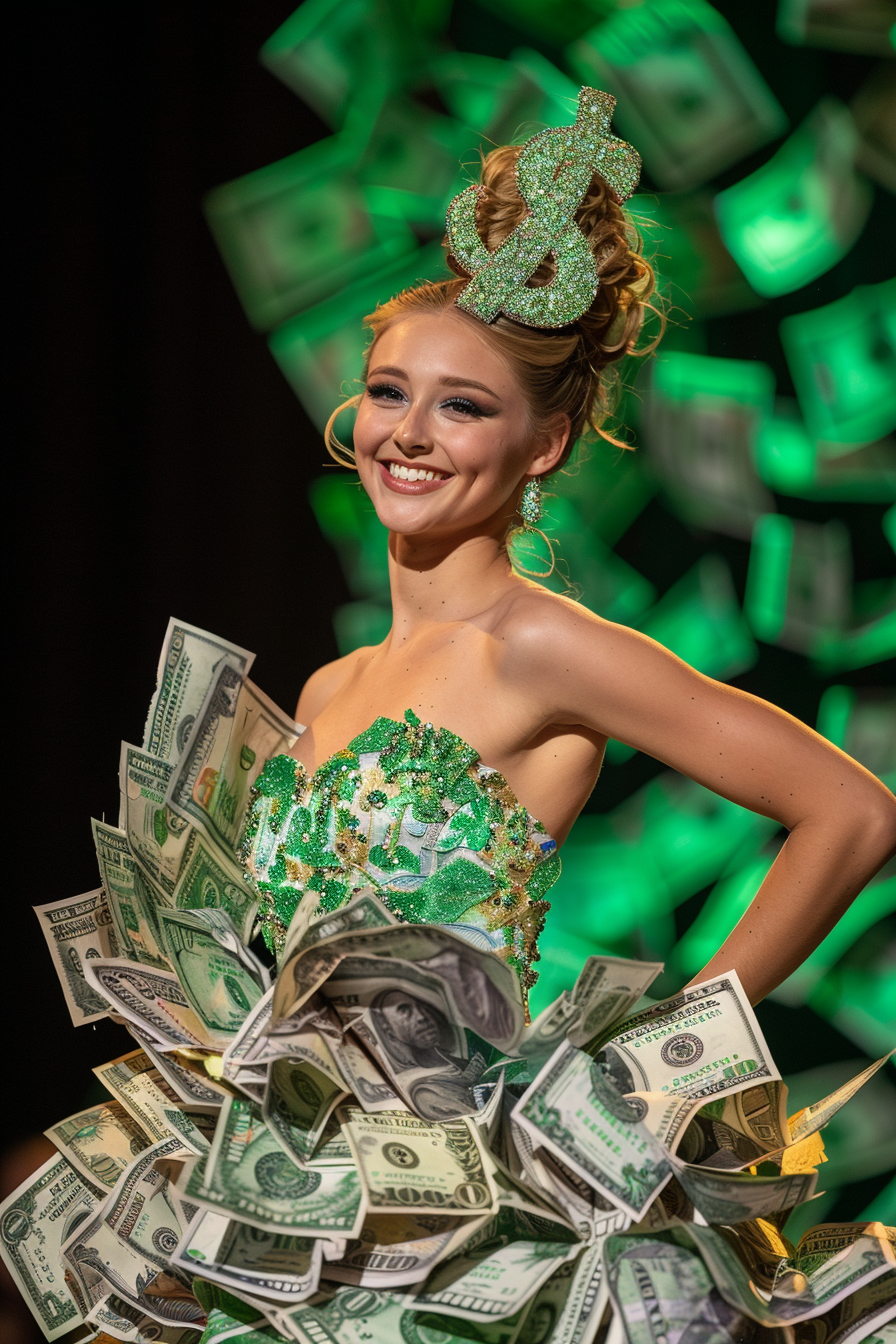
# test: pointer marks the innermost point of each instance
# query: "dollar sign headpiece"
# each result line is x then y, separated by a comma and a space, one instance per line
553, 172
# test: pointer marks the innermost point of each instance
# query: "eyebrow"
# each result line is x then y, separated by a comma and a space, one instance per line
446, 382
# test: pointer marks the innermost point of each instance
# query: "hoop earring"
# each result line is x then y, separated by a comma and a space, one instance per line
530, 504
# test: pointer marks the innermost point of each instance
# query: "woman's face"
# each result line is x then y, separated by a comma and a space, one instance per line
443, 436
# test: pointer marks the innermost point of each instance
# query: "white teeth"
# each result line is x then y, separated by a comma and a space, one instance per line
403, 473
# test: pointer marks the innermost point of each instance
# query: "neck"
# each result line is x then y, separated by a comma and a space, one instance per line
438, 579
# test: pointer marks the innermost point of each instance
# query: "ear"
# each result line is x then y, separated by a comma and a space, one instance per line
550, 445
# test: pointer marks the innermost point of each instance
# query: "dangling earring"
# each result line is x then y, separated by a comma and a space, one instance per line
530, 504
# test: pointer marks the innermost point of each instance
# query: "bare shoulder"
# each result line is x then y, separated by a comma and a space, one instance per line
323, 684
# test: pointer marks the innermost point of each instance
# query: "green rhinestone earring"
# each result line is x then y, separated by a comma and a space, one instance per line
530, 504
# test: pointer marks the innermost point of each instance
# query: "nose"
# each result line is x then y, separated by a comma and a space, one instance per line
412, 436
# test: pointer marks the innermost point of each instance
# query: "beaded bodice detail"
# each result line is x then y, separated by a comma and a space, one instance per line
410, 811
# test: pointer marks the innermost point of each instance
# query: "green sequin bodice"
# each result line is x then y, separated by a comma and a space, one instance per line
410, 811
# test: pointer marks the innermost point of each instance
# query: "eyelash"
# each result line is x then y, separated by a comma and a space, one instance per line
464, 404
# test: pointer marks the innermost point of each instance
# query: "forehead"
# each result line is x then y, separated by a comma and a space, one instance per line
443, 345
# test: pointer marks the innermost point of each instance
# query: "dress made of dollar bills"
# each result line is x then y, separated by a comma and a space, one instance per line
368, 1141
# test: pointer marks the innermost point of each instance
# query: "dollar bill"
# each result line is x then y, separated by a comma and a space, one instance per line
364, 911
142, 1210
365, 1316
737, 1130
132, 901
483, 992
299, 1100
99, 1142
411, 1164
568, 1308
734, 1196
273, 1264
187, 1080
249, 1177
702, 1042
75, 930
237, 730
221, 977
499, 1269
574, 1111
153, 1000
160, 838
812, 1118
117, 1319
211, 880
144, 1094
830, 1262
664, 1291
187, 666
606, 989
35, 1221
585, 1208
393, 1250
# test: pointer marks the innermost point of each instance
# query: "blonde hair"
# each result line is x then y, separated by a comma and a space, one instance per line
570, 370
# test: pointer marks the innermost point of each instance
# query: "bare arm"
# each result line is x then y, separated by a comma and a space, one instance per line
841, 819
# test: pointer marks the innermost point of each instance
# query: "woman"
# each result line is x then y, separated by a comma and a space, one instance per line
461, 420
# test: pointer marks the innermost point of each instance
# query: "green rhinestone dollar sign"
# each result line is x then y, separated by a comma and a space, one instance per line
554, 171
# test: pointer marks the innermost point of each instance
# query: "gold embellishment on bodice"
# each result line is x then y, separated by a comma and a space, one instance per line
410, 811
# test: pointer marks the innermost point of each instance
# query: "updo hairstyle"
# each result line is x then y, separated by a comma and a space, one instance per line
572, 369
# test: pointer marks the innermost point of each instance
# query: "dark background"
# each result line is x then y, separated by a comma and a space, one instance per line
159, 462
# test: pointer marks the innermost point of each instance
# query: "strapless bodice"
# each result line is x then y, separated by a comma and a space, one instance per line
410, 811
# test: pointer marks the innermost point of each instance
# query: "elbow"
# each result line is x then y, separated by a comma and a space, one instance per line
873, 823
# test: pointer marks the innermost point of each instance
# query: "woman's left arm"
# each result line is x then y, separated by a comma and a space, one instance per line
841, 819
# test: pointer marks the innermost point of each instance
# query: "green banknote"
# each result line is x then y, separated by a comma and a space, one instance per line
221, 978
277, 1266
393, 1250
236, 731
152, 999
574, 1111
35, 1221
76, 929
664, 1291
148, 1099
408, 1163
702, 1042
210, 880
132, 900
364, 1316
299, 1099
498, 1271
187, 666
99, 1142
248, 1176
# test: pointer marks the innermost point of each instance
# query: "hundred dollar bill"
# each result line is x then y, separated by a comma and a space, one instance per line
393, 1250
664, 1291
812, 1118
606, 989
568, 1308
412, 1164
365, 1316
573, 1110
152, 999
118, 1320
737, 1130
132, 901
211, 880
237, 730
221, 978
145, 1095
248, 1176
499, 1269
702, 1042
272, 1264
482, 991
75, 930
734, 1196
142, 1209
364, 911
187, 666
830, 1262
160, 838
188, 1083
301, 1096
99, 1142
35, 1220
585, 1208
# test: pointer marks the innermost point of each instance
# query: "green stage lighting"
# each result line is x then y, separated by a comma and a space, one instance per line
863, 724
690, 98
843, 361
789, 462
694, 269
798, 582
798, 215
699, 618
505, 101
